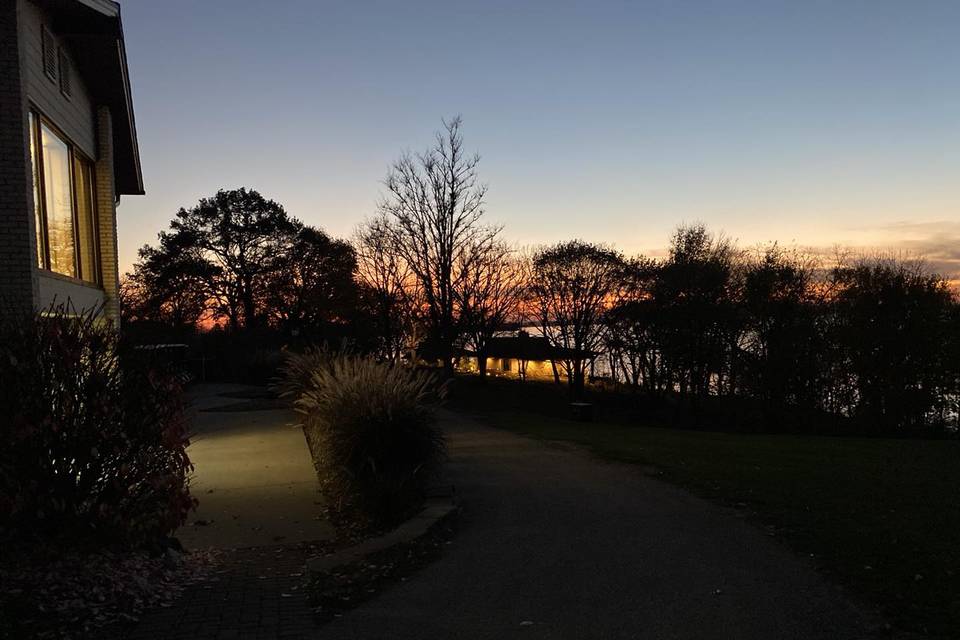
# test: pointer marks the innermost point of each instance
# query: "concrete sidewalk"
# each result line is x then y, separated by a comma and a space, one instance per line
260, 506
253, 476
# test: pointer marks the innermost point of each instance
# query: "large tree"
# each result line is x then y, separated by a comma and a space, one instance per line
315, 290
631, 322
166, 288
699, 321
434, 213
239, 257
571, 286
785, 353
491, 295
894, 330
243, 238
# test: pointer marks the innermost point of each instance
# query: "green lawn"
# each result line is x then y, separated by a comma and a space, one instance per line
881, 516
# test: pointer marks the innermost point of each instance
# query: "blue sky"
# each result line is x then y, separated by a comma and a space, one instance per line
804, 122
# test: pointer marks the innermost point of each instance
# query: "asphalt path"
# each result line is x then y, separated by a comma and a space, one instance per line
554, 543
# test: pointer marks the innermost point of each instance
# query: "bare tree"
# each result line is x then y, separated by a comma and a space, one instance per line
391, 289
571, 287
434, 207
491, 294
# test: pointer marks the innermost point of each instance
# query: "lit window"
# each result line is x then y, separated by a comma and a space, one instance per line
89, 261
63, 205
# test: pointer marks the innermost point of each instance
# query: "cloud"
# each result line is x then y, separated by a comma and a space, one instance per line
937, 243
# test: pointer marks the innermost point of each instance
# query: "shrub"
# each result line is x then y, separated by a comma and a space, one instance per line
95, 437
373, 435
294, 375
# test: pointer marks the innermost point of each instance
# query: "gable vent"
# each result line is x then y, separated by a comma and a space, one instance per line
66, 74
49, 54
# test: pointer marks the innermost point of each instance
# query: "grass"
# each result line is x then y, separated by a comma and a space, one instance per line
881, 516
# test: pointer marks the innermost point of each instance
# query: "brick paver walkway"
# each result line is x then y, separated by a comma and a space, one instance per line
254, 593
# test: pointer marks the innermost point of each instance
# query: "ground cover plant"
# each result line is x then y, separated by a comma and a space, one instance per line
880, 515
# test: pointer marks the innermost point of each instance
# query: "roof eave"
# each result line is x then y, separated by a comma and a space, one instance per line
97, 29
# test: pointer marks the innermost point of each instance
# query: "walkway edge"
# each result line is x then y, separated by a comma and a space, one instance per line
434, 511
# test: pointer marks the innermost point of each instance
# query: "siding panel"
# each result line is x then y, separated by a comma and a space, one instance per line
73, 115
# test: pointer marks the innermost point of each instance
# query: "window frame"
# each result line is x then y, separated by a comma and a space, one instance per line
36, 124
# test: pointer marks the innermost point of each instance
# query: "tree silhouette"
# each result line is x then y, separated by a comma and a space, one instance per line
315, 289
242, 236
493, 287
893, 325
238, 256
571, 286
434, 211
391, 292
699, 323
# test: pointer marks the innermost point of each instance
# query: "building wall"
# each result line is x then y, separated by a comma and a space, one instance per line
18, 283
107, 216
509, 368
56, 289
89, 128
73, 115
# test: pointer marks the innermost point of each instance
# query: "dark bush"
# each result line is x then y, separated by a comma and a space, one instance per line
95, 436
373, 436
295, 374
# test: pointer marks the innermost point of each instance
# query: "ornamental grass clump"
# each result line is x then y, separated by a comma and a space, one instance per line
293, 376
373, 435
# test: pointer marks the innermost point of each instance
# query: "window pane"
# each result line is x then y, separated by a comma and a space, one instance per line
36, 190
59, 201
82, 172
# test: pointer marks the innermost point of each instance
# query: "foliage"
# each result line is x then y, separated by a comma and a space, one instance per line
372, 432
699, 323
772, 339
785, 347
166, 287
239, 258
295, 375
315, 288
571, 284
630, 337
778, 341
892, 329
96, 442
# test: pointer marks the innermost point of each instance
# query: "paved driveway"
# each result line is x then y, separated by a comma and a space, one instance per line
254, 476
556, 544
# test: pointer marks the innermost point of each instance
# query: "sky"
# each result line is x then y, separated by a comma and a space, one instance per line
814, 123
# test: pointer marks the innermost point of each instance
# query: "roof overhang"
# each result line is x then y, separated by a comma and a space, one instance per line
94, 29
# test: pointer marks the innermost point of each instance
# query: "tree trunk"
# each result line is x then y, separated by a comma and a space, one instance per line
577, 380
482, 364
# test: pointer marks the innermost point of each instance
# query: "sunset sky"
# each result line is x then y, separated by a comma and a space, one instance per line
815, 122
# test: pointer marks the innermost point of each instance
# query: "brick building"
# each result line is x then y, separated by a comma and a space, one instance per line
68, 151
